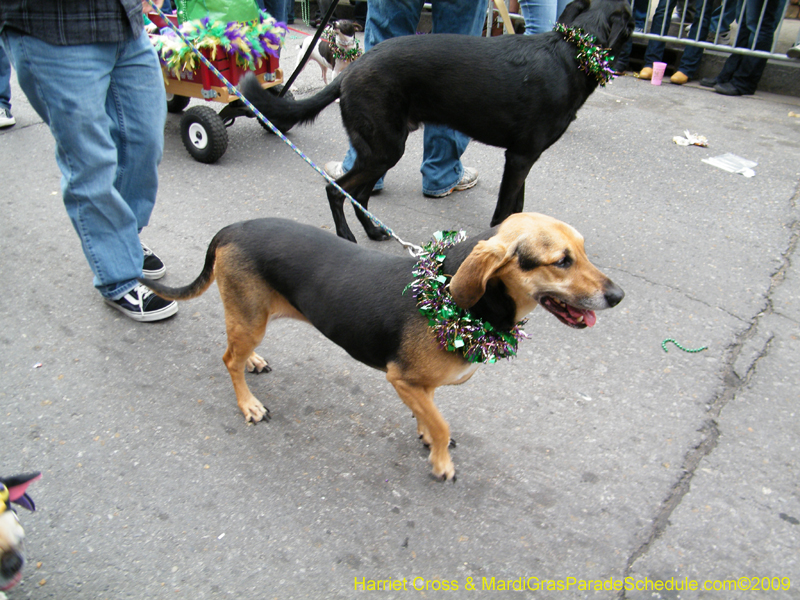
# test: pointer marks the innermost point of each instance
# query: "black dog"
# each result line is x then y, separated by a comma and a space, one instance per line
514, 92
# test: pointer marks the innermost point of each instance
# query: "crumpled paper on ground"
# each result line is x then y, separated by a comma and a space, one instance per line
691, 139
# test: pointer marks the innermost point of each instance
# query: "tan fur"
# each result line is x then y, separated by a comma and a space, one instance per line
11, 532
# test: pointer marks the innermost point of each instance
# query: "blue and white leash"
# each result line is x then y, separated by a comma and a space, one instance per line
413, 249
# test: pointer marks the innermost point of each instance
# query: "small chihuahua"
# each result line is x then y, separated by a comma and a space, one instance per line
12, 556
335, 49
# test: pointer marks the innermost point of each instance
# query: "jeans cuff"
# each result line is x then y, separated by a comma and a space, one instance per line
114, 293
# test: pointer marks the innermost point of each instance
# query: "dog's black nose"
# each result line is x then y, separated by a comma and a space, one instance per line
613, 294
11, 564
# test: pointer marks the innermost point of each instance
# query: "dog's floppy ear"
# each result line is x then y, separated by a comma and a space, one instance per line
16, 489
621, 24
469, 283
572, 10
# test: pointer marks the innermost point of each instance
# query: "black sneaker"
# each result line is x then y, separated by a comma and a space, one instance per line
727, 89
141, 304
153, 266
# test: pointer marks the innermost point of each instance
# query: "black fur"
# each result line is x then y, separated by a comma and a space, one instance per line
515, 92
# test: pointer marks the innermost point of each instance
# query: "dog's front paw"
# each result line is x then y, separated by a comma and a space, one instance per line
378, 234
444, 470
253, 410
256, 364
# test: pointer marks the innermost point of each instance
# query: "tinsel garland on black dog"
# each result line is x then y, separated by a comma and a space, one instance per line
593, 59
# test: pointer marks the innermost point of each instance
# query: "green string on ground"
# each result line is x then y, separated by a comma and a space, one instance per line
690, 350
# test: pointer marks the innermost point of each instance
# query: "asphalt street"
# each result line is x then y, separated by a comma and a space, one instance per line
594, 465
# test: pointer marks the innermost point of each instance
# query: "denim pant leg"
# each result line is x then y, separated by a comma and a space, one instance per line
539, 15
277, 9
441, 160
639, 8
693, 55
662, 19
106, 108
751, 68
386, 19
5, 80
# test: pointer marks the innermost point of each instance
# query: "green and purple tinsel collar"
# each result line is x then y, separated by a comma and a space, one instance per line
456, 329
593, 59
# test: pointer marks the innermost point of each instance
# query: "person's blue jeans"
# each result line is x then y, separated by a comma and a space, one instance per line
541, 15
277, 9
441, 161
662, 19
5, 81
722, 19
106, 108
693, 55
744, 72
639, 8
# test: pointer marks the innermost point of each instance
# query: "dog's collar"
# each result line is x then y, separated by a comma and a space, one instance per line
329, 35
5, 503
593, 59
456, 329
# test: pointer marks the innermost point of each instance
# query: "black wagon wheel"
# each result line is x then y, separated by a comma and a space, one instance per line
204, 134
176, 103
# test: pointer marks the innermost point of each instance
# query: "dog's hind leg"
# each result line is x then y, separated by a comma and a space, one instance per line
430, 424
511, 198
243, 339
248, 303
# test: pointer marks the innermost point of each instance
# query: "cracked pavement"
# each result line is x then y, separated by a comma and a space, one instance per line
593, 455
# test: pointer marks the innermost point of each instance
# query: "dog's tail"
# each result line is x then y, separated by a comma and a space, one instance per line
286, 112
194, 289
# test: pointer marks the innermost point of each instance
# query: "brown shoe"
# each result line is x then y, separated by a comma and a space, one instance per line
646, 73
679, 78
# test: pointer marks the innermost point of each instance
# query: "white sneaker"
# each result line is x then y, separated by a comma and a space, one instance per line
468, 179
6, 118
334, 169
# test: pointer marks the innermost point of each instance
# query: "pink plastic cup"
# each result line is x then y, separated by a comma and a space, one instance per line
658, 72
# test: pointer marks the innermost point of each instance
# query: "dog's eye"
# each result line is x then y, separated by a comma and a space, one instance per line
564, 263
526, 263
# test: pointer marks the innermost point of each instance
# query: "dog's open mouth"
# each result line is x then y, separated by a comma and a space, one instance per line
569, 315
10, 583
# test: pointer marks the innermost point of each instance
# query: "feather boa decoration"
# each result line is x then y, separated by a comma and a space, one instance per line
246, 43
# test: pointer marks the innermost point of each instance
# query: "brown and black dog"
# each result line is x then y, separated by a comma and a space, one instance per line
514, 92
271, 268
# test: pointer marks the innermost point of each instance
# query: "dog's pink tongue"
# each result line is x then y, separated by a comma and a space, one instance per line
17, 578
589, 318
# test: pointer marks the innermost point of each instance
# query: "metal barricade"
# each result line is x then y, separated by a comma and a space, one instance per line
713, 42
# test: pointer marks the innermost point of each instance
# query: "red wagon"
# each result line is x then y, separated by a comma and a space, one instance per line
203, 130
